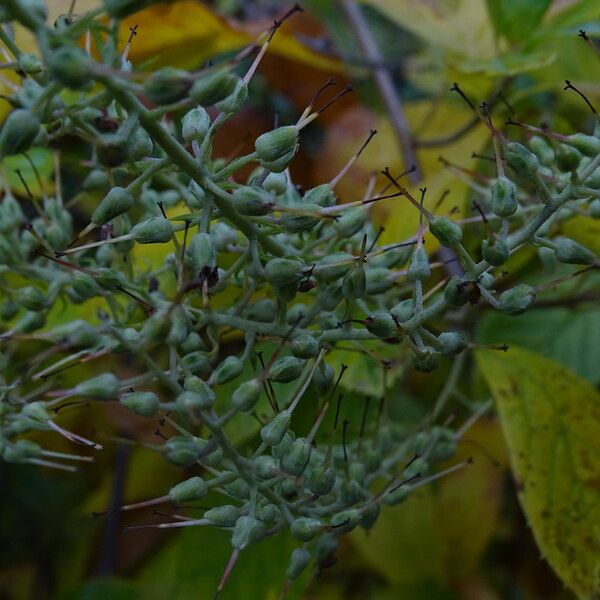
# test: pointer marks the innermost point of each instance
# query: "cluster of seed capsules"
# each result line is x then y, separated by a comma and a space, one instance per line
256, 261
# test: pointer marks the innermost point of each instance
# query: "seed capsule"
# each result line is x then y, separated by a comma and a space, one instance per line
397, 496
286, 369
305, 528
246, 531
542, 150
298, 562
263, 311
333, 266
570, 252
197, 363
246, 395
18, 132
354, 284
517, 300
275, 183
296, 459
195, 125
214, 87
283, 271
403, 311
504, 197
156, 230
229, 369
588, 145
427, 360
276, 148
452, 343
234, 101
115, 203
252, 201
181, 451
223, 516
200, 397
139, 145
167, 85
379, 280
521, 160
265, 467
567, 158
351, 221
31, 298
273, 432
201, 253
105, 386
345, 520
321, 195
595, 208
446, 231
321, 480
70, 66
304, 346
381, 324
141, 403
190, 489
419, 269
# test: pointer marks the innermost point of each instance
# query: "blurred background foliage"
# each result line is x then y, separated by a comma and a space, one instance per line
466, 537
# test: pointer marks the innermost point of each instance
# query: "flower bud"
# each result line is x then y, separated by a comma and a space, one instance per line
195, 125
419, 269
354, 284
403, 311
201, 253
276, 148
96, 180
570, 252
588, 145
351, 221
283, 271
105, 386
304, 346
70, 66
504, 197
451, 343
139, 145
304, 529
18, 132
265, 467
252, 201
298, 562
595, 208
542, 150
31, 298
427, 360
190, 489
246, 395
141, 403
197, 362
447, 232
456, 292
296, 459
181, 451
223, 516
115, 203
345, 520
329, 296
496, 253
517, 300
234, 101
321, 195
30, 321
321, 480
298, 223
192, 401
521, 160
567, 158
212, 88
275, 183
167, 85
286, 369
381, 324
333, 266
397, 496
228, 370
246, 531
156, 230
20, 451
273, 432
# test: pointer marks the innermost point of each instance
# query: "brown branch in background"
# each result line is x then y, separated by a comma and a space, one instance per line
384, 83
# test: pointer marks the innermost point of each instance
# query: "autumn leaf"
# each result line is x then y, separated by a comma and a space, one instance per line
551, 422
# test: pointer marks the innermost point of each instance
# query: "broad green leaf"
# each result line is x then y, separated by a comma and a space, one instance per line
561, 334
516, 19
551, 422
509, 64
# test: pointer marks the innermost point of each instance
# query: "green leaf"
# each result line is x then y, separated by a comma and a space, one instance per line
42, 159
561, 334
551, 421
515, 19
508, 64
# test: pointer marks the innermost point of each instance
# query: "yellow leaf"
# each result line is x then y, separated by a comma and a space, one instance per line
551, 422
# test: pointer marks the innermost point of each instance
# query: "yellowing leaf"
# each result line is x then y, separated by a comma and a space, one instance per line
585, 230
551, 421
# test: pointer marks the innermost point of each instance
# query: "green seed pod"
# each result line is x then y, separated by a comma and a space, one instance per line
30, 63
273, 432
398, 495
427, 360
286, 369
419, 269
223, 516
542, 150
381, 324
419, 466
321, 195
403, 311
252, 201
96, 181
304, 346
280, 272
547, 258
521, 160
179, 327
181, 451
298, 562
567, 158
504, 197
588, 145
296, 459
321, 480
190, 489
283, 447
115, 203
333, 266
305, 529
246, 531
139, 145
234, 101
452, 343
141, 403
570, 252
269, 513
238, 488
265, 467
20, 451
228, 370
167, 85
31, 298
299, 223
392, 258
456, 292
275, 183
495, 253
195, 125
70, 66
345, 520
111, 150
595, 208
351, 221
329, 296
263, 311
30, 321
354, 285
193, 342
18, 132
214, 87
246, 395
446, 231
201, 253
189, 401
155, 230
276, 148
105, 386
379, 280
516, 300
